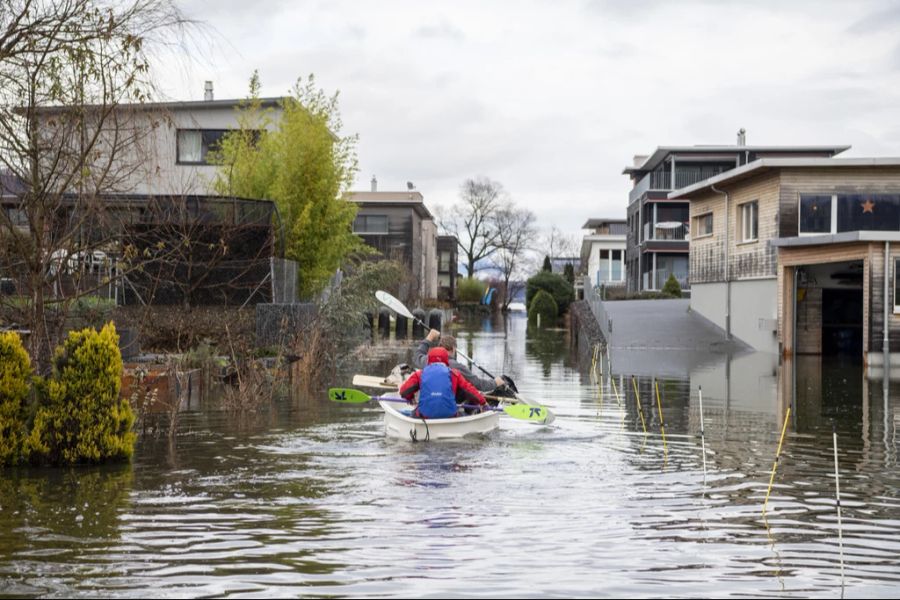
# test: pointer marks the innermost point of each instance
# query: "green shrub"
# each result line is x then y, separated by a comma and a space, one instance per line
470, 290
15, 380
545, 306
562, 291
81, 417
671, 287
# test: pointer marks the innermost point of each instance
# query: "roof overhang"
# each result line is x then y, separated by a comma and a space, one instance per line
768, 164
725, 153
847, 237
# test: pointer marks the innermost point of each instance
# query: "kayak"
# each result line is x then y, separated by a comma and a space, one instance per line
401, 426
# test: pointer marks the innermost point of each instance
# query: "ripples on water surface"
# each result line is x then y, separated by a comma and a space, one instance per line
311, 499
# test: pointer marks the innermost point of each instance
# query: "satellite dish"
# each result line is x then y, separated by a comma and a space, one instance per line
410, 186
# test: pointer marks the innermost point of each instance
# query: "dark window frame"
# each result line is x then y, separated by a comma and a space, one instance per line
206, 144
366, 230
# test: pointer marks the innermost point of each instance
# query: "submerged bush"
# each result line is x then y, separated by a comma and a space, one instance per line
81, 417
15, 383
470, 290
562, 291
545, 306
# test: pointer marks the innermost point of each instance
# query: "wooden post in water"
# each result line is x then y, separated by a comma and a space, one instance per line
777, 456
837, 491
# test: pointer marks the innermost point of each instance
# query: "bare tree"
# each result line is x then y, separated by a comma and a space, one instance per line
517, 234
473, 220
69, 71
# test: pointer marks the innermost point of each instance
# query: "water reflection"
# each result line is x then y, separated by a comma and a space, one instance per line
310, 499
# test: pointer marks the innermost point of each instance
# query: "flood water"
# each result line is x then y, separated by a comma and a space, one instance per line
310, 499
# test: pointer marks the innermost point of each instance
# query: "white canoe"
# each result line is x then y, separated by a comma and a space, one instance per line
397, 425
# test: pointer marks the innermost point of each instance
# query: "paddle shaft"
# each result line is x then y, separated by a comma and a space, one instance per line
458, 351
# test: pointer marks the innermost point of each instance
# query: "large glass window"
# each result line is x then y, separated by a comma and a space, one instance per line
370, 224
868, 212
603, 267
616, 265
896, 287
815, 214
444, 261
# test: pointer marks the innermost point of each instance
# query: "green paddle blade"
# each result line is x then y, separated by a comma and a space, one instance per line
348, 396
536, 414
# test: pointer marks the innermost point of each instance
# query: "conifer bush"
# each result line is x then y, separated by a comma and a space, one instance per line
672, 288
554, 284
545, 306
15, 384
81, 417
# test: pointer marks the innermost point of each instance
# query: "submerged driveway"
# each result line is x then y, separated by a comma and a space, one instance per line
663, 336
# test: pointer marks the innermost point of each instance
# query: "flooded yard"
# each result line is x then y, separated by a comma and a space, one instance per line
310, 498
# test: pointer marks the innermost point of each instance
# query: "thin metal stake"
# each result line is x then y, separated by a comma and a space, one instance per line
837, 490
702, 434
787, 416
637, 397
662, 422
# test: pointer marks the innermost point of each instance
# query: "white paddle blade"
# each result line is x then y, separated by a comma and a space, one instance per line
393, 304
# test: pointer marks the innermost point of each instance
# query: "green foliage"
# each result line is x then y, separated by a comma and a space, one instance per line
544, 305
81, 417
15, 383
547, 267
562, 291
303, 165
470, 290
671, 287
569, 273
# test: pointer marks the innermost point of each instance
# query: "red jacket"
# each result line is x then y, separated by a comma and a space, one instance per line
462, 389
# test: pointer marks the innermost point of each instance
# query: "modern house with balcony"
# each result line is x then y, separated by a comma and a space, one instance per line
802, 256
400, 227
603, 252
658, 224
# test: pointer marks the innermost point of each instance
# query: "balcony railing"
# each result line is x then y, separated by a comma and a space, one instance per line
655, 280
684, 176
666, 231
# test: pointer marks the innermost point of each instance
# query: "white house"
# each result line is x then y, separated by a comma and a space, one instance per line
603, 251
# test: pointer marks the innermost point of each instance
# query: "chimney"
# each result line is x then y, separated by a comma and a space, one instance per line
374, 184
208, 91
639, 159
742, 137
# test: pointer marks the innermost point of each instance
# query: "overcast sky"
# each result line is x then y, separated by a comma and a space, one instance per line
552, 99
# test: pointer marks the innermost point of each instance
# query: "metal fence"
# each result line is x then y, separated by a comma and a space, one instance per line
596, 303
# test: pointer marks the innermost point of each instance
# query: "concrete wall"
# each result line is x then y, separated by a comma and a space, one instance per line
754, 310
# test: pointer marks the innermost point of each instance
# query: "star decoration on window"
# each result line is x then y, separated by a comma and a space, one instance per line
868, 206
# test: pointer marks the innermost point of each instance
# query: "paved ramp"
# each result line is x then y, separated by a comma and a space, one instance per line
656, 337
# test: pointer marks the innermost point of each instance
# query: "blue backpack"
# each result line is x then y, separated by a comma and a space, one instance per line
436, 397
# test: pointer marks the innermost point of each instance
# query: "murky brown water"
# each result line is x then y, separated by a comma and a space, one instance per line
311, 500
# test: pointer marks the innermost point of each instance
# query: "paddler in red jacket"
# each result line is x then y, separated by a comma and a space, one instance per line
440, 388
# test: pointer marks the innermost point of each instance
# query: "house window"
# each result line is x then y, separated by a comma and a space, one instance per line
815, 214
868, 212
603, 267
750, 221
444, 261
703, 225
371, 224
616, 265
194, 145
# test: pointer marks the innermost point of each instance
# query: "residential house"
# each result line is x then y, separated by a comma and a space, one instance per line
400, 227
603, 251
801, 255
658, 224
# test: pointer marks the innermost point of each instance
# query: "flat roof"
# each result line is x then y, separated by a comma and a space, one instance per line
182, 104
724, 151
766, 164
591, 223
412, 199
